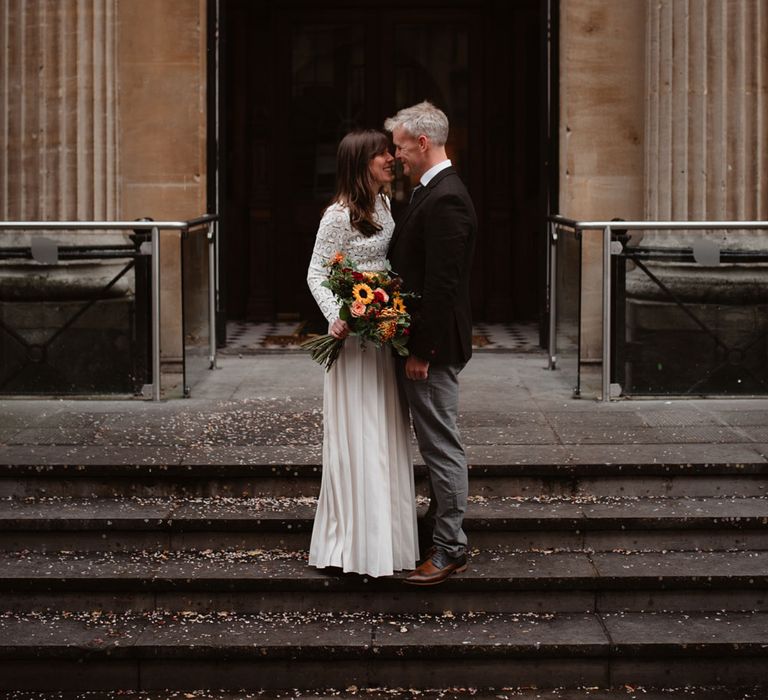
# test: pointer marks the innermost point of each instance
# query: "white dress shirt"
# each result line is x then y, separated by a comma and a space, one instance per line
434, 170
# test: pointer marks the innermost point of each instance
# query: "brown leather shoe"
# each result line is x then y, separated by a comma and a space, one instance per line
436, 569
428, 554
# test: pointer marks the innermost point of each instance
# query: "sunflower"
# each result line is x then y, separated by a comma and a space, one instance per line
362, 292
398, 304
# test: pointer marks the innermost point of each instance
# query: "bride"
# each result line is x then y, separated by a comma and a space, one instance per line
366, 512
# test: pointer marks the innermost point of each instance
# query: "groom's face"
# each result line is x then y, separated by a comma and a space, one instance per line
409, 150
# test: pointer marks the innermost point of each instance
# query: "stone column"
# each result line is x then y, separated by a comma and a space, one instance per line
705, 143
706, 136
58, 155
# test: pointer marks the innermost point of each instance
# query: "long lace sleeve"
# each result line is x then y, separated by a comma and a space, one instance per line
331, 237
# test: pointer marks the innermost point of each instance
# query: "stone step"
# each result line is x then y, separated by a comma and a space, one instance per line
286, 513
519, 541
352, 692
495, 522
276, 580
612, 480
64, 650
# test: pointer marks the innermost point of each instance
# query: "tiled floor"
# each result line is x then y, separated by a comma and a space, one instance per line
244, 338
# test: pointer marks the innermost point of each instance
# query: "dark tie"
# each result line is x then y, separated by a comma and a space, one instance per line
415, 193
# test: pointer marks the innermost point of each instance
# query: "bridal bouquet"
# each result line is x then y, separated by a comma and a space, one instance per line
371, 303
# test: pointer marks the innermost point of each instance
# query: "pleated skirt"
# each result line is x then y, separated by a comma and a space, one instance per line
366, 512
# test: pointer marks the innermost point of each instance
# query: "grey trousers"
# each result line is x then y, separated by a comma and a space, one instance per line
434, 406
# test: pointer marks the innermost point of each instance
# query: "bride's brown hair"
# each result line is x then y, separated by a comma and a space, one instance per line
355, 186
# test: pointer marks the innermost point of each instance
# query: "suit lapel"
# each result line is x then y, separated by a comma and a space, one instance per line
418, 200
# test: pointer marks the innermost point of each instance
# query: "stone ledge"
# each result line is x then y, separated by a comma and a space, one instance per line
228, 636
627, 692
280, 468
284, 571
297, 513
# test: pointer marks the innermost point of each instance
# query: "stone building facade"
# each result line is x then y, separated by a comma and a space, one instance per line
664, 117
104, 118
663, 113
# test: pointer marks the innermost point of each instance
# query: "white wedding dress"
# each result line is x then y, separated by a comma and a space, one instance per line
366, 512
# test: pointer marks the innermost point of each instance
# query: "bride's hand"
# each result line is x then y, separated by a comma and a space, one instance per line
339, 329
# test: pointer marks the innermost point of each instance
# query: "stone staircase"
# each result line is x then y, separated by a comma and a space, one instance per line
143, 578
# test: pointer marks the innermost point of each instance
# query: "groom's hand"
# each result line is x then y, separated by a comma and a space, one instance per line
416, 368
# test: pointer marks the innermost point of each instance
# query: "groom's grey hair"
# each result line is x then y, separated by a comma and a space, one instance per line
423, 118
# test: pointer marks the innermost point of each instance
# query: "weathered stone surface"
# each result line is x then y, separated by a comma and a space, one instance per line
715, 569
101, 514
286, 570
191, 635
601, 131
200, 549
503, 635
68, 635
455, 693
707, 165
286, 513
737, 634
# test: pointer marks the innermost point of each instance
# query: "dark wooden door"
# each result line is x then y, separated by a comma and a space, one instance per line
297, 76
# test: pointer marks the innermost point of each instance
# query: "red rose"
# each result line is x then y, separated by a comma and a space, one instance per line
380, 295
406, 331
357, 276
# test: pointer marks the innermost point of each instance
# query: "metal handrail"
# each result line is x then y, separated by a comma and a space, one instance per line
655, 225
142, 224
607, 227
156, 227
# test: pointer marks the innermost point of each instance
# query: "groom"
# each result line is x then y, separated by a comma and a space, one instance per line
431, 249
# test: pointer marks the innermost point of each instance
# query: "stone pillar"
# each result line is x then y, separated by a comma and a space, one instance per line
705, 158
706, 136
58, 161
57, 125
58, 137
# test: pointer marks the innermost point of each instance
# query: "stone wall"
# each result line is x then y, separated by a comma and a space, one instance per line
602, 90
162, 128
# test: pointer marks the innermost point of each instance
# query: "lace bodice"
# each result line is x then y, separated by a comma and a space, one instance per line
335, 233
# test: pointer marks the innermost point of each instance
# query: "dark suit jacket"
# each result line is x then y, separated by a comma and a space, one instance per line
431, 249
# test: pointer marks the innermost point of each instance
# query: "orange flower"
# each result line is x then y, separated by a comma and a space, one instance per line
387, 330
398, 304
337, 258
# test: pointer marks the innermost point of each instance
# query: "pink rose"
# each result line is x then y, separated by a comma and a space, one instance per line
357, 309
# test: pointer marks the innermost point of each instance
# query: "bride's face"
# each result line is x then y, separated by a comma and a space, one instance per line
382, 168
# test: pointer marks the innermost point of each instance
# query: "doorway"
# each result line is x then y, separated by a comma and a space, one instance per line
297, 75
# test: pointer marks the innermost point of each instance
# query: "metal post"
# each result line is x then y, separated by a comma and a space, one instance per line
552, 296
155, 314
212, 294
606, 314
